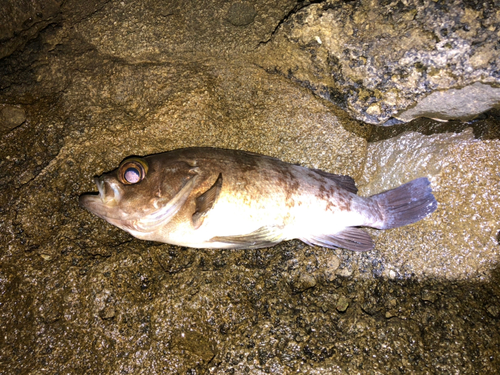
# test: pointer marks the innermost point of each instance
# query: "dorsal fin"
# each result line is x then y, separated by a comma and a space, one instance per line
346, 182
205, 202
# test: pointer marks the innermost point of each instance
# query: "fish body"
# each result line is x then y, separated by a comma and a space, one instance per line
214, 198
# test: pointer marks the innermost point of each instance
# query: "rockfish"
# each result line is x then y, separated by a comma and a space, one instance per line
214, 198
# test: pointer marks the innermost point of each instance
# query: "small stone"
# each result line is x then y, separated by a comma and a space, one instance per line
428, 296
241, 14
493, 310
195, 343
303, 282
332, 265
342, 304
108, 313
344, 272
374, 109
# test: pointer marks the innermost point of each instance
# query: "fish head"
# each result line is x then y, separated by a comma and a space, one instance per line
138, 196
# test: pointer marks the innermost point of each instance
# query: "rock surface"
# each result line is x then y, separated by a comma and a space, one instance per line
379, 61
78, 295
23, 20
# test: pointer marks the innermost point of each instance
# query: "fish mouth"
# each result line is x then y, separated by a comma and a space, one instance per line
90, 200
107, 197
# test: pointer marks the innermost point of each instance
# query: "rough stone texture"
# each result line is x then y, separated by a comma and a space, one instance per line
157, 31
22, 20
78, 295
378, 59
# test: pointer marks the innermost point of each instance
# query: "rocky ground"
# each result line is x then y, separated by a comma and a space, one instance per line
84, 86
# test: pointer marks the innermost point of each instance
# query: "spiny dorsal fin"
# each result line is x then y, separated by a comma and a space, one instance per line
205, 202
346, 182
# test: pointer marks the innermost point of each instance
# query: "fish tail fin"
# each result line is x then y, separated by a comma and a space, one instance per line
406, 204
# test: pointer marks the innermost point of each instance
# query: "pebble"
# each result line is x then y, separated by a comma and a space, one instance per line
241, 14
342, 304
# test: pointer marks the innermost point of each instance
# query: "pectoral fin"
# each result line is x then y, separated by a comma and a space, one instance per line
351, 238
168, 210
262, 237
205, 202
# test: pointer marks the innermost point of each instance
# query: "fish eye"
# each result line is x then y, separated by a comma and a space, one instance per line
133, 171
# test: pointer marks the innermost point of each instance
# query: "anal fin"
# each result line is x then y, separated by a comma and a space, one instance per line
351, 238
262, 237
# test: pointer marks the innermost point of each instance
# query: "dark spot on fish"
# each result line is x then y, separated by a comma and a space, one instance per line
316, 177
289, 184
336, 199
344, 201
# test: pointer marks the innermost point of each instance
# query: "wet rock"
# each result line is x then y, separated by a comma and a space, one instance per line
485, 127
195, 343
159, 31
378, 62
429, 296
389, 315
172, 260
108, 313
22, 20
331, 266
344, 272
465, 180
80, 296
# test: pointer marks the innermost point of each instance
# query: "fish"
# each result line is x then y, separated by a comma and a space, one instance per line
230, 199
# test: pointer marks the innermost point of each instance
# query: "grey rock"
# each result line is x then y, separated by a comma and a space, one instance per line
463, 104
